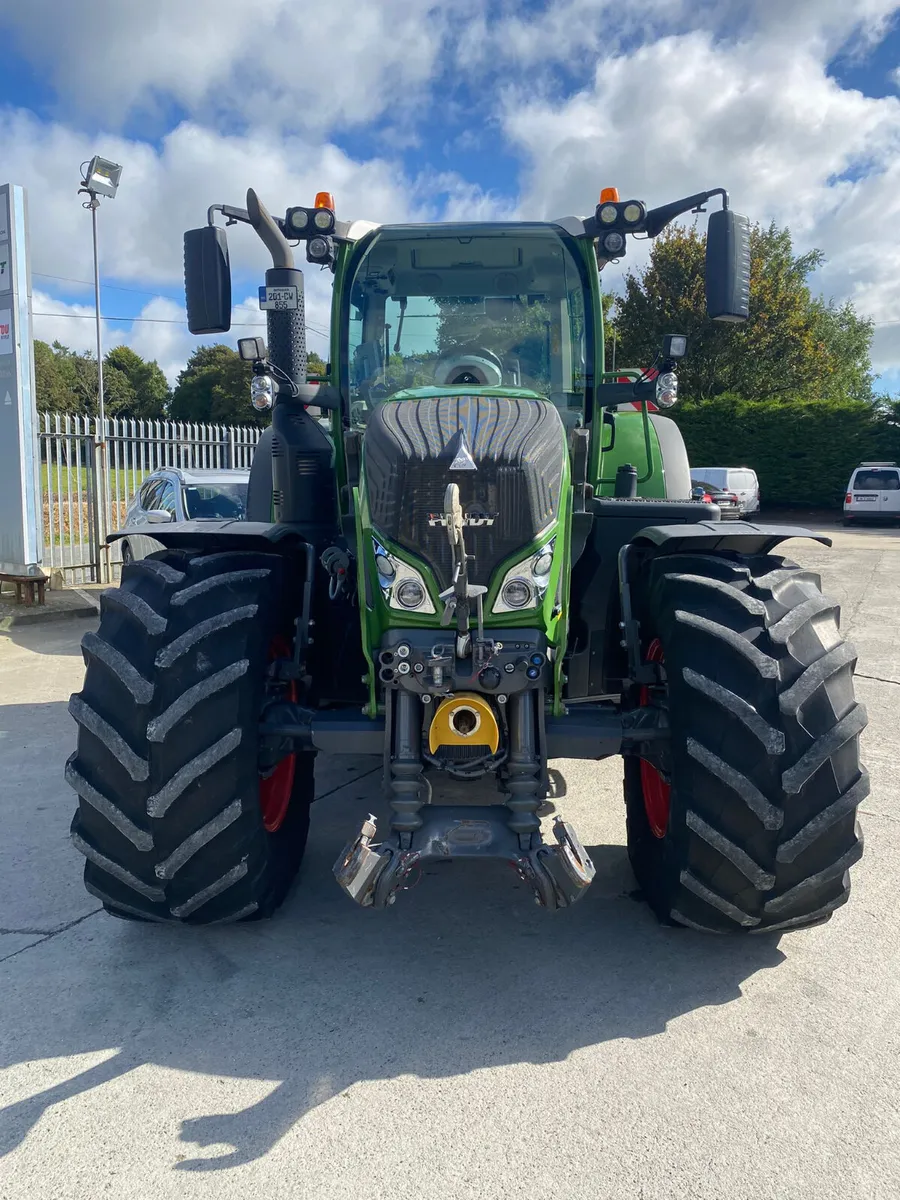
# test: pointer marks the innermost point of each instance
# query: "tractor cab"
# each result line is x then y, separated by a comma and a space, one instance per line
502, 309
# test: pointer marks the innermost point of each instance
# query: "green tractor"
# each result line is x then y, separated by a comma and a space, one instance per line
462, 555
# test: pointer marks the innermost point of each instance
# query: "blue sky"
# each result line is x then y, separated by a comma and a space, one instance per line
414, 110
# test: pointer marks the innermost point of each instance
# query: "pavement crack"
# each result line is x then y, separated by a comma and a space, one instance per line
876, 678
337, 787
44, 935
847, 623
867, 812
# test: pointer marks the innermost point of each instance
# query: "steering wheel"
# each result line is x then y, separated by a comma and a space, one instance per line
469, 365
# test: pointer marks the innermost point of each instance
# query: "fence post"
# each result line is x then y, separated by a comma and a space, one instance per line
94, 504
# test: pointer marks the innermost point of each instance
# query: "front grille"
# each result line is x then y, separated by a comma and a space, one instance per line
519, 448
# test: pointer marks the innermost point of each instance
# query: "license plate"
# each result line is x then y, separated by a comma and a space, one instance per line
278, 298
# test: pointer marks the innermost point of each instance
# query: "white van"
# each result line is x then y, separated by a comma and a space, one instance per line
873, 493
740, 480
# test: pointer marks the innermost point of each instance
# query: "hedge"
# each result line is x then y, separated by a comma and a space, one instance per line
803, 452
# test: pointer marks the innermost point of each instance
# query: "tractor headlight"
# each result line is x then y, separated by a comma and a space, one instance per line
543, 562
297, 220
608, 214
323, 220
633, 212
411, 594
402, 586
516, 593
386, 569
525, 584
262, 392
613, 244
667, 389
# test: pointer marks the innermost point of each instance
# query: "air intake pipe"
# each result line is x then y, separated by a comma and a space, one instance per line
303, 467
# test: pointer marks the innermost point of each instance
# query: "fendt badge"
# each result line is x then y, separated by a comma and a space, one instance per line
472, 518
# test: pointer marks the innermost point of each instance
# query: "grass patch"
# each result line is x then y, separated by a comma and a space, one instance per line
61, 519
57, 480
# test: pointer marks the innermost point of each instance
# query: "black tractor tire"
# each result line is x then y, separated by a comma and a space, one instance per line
763, 764
166, 766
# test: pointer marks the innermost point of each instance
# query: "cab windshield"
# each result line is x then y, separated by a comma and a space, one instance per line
469, 308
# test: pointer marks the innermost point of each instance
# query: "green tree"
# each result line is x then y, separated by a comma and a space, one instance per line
794, 346
74, 382
53, 383
803, 451
314, 364
147, 383
215, 386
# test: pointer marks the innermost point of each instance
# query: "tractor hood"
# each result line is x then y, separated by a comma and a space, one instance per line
505, 449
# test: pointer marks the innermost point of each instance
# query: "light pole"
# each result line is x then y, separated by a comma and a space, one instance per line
101, 178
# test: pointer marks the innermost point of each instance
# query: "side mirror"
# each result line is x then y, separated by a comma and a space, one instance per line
207, 280
728, 266
159, 516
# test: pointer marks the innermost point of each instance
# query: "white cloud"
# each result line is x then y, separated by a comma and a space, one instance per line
757, 117
730, 92
274, 66
72, 324
282, 64
571, 32
165, 191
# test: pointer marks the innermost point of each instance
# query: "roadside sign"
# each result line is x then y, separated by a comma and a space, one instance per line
20, 492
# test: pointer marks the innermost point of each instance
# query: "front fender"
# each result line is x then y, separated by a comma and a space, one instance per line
217, 535
744, 536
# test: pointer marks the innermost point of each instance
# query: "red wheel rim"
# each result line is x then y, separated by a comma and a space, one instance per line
275, 789
656, 791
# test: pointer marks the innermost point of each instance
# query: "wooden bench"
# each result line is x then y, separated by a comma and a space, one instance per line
26, 584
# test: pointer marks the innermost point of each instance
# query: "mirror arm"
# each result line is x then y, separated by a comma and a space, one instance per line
227, 210
658, 218
234, 215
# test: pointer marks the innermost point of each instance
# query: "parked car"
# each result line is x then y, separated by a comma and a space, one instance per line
171, 494
728, 502
873, 493
740, 480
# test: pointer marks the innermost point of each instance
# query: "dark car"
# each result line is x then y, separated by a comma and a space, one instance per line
729, 504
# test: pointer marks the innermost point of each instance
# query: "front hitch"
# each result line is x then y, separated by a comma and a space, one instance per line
558, 875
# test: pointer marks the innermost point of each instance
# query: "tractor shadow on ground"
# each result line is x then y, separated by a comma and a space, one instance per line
58, 637
463, 974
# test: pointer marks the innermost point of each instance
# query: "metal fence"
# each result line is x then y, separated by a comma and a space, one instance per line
87, 481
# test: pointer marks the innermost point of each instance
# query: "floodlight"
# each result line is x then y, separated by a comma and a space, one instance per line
102, 177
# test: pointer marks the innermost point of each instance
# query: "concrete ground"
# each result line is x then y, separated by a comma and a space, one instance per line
463, 1044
